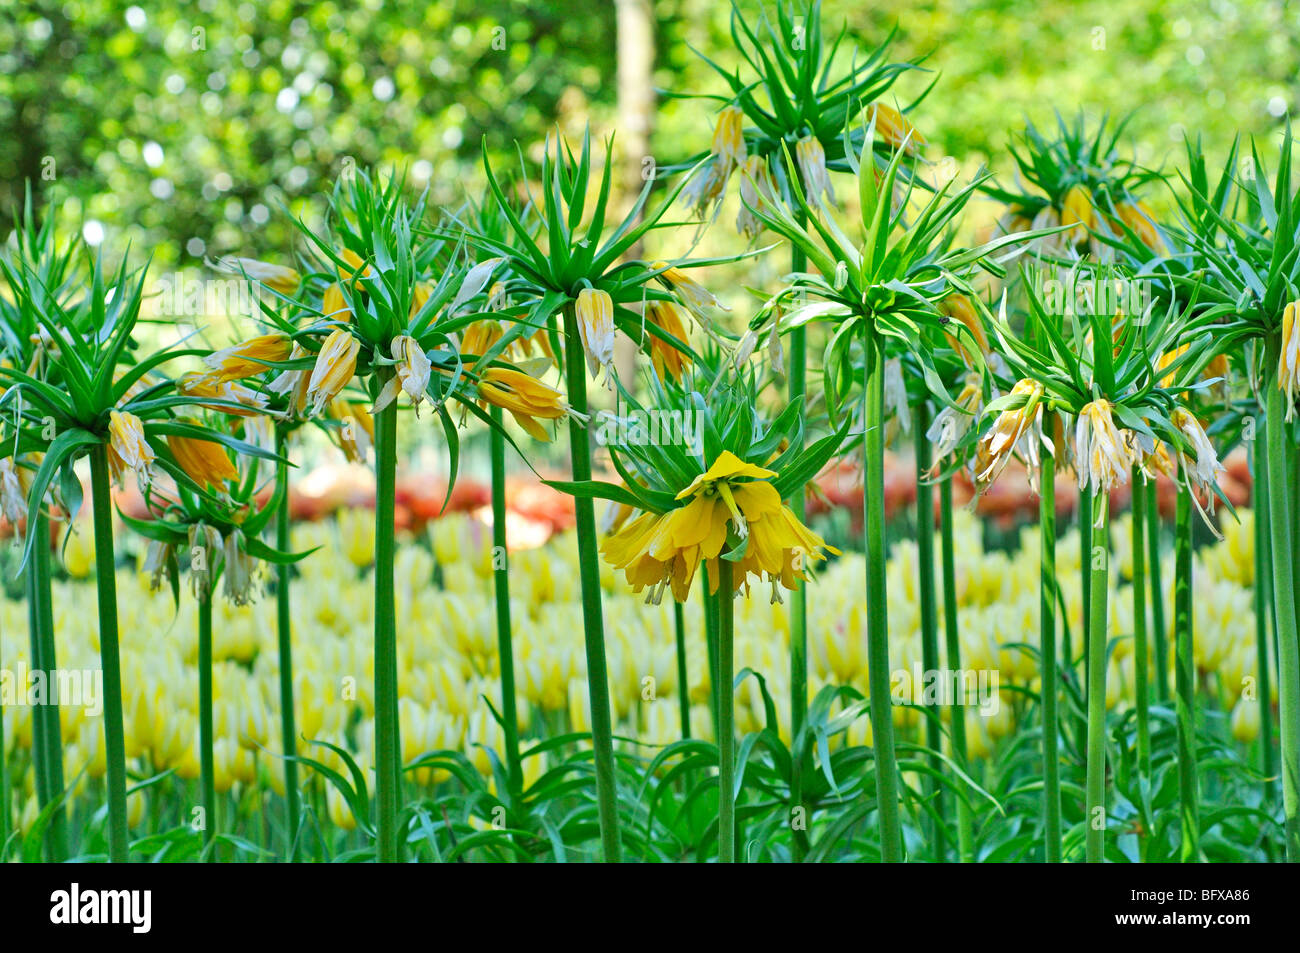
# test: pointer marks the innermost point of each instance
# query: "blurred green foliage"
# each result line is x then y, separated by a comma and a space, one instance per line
184, 127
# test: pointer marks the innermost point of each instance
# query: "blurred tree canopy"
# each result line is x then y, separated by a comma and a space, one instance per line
185, 128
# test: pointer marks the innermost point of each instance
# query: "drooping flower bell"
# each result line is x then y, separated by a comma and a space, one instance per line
695, 296
731, 498
595, 319
1288, 364
13, 494
204, 461
277, 277
525, 397
727, 153
412, 377
335, 366
811, 157
997, 447
239, 570
1076, 209
1138, 218
1204, 468
894, 128
757, 190
238, 399
1103, 457
157, 561
475, 280
128, 450
249, 358
951, 424
669, 316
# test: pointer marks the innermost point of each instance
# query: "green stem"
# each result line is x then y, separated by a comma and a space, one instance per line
207, 777
1185, 678
284, 633
929, 621
711, 647
1047, 649
1098, 559
387, 738
799, 598
501, 580
5, 800
39, 761
109, 655
1086, 503
1158, 624
602, 731
683, 685
726, 718
952, 650
882, 716
1293, 486
1263, 609
1288, 651
1141, 656
56, 835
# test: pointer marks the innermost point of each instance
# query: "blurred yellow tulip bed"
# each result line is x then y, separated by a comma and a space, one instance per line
449, 676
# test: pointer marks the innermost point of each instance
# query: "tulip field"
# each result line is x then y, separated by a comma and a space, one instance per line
807, 496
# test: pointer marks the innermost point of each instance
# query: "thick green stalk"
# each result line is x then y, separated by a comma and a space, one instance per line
1263, 609
1288, 651
109, 655
952, 651
711, 647
602, 730
284, 633
39, 760
1047, 650
1185, 679
1158, 625
929, 621
4, 778
1140, 653
501, 580
1293, 485
882, 716
1098, 579
799, 598
56, 835
387, 739
683, 684
726, 718
1086, 503
207, 776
